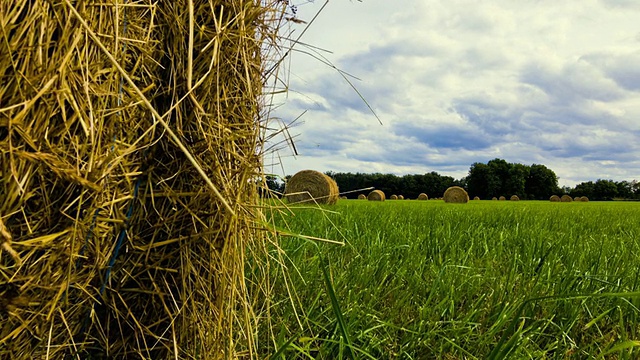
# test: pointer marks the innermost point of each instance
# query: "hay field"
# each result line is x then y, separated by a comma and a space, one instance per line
484, 280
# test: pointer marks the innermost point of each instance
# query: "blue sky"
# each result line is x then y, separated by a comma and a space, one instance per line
461, 81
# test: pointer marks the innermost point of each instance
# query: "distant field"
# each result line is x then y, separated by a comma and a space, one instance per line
483, 280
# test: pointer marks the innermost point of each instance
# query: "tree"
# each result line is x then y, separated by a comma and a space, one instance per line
541, 182
605, 190
515, 183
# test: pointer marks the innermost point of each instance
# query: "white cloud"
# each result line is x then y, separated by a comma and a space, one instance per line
458, 82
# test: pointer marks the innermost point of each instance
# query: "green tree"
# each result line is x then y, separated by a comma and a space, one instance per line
541, 183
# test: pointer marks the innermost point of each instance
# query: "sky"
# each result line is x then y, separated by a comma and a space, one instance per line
456, 82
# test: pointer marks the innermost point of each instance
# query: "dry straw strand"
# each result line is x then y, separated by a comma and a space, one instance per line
456, 194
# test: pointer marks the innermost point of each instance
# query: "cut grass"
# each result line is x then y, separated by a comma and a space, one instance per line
522, 280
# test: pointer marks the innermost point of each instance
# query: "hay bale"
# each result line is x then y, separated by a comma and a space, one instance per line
476, 198
566, 198
584, 199
393, 197
400, 197
311, 186
423, 196
456, 194
577, 198
514, 198
554, 198
494, 198
376, 195
362, 197
502, 198
127, 197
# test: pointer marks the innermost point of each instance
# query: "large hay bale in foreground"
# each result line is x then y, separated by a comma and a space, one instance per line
514, 198
393, 197
362, 197
423, 196
311, 186
130, 140
566, 198
456, 194
376, 195
554, 198
584, 199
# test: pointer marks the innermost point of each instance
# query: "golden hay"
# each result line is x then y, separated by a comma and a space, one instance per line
514, 198
376, 195
130, 141
456, 194
502, 198
554, 198
423, 196
566, 198
362, 197
584, 199
400, 197
577, 198
311, 186
393, 197
476, 198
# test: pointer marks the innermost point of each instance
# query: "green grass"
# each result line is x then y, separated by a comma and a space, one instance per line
483, 280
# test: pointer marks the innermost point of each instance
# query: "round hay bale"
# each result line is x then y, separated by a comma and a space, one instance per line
423, 196
476, 198
515, 198
577, 198
393, 197
400, 197
311, 186
502, 198
362, 197
566, 198
554, 198
456, 194
343, 198
584, 199
376, 195
494, 198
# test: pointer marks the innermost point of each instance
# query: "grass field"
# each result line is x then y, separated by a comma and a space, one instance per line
483, 280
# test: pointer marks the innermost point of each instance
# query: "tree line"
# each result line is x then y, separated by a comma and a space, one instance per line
494, 179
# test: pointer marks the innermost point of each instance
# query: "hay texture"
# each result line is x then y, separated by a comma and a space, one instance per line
494, 198
423, 196
584, 199
362, 197
311, 186
476, 198
393, 197
566, 198
400, 197
554, 198
577, 198
456, 194
514, 198
130, 141
502, 198
376, 195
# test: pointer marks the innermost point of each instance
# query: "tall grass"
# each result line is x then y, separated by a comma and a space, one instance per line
415, 280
